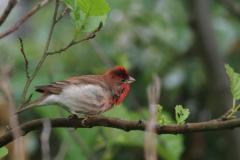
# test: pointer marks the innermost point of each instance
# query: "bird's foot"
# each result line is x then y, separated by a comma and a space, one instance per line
85, 120
75, 128
74, 116
71, 117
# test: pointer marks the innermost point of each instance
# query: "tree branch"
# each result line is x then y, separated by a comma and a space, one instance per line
21, 21
7, 10
121, 124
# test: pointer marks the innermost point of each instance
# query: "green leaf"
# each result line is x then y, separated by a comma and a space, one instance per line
93, 7
3, 152
159, 110
162, 119
235, 82
86, 15
181, 114
77, 19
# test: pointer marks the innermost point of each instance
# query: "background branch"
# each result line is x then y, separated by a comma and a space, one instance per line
21, 21
83, 146
231, 7
45, 136
150, 139
62, 151
5, 85
7, 10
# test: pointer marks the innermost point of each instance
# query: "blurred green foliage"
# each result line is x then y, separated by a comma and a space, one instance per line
146, 37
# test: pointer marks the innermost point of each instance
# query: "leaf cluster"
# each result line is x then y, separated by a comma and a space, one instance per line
86, 15
235, 88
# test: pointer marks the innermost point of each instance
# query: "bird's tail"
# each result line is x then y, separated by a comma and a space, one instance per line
34, 104
28, 107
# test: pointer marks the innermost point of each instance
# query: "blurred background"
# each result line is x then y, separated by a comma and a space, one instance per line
185, 42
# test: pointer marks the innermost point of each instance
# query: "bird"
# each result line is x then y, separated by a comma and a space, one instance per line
87, 95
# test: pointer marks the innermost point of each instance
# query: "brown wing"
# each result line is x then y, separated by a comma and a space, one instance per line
89, 79
57, 87
54, 87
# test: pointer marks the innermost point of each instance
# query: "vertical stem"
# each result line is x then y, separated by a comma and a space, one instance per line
233, 104
233, 109
52, 27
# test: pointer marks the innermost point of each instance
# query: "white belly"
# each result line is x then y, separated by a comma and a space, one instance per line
82, 99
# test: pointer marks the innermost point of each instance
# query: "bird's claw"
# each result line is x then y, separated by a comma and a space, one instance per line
75, 128
74, 116
84, 120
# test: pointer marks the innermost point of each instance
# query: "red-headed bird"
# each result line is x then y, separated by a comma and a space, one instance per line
87, 95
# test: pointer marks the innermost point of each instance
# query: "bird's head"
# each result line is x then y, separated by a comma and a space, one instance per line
119, 80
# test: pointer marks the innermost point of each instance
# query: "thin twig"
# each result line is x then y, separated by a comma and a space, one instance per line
121, 124
83, 146
64, 12
52, 26
21, 21
26, 61
42, 59
80, 142
101, 54
7, 10
73, 42
29, 99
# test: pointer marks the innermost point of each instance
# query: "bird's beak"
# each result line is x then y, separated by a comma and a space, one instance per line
131, 80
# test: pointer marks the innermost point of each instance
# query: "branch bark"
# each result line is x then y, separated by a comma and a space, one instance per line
121, 124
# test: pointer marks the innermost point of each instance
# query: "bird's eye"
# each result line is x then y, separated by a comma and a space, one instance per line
123, 79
